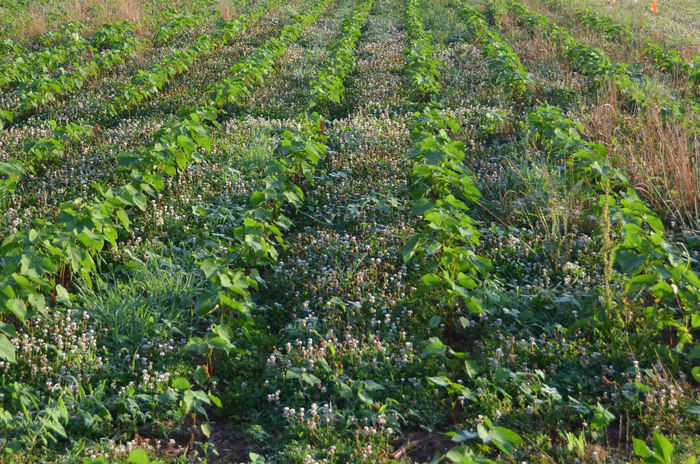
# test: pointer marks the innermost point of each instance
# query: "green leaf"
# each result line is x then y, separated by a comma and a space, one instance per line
640, 448
181, 383
139, 456
434, 321
17, 307
513, 437
343, 390
629, 261
472, 368
215, 399
662, 446
501, 441
409, 249
8, 329
225, 332
502, 374
435, 347
7, 349
365, 398
62, 295
167, 397
439, 381
200, 375
206, 429
695, 372
601, 417
462, 435
644, 279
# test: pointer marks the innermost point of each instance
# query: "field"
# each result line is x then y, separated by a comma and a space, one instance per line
349, 231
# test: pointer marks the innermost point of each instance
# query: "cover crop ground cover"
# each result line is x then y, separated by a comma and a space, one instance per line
349, 231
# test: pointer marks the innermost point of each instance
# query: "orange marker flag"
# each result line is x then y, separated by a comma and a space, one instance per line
653, 7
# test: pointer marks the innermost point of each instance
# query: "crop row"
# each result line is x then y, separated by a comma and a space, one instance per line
645, 255
40, 91
159, 11
422, 66
298, 156
442, 186
26, 67
502, 60
138, 89
15, 48
328, 87
44, 259
149, 82
668, 60
32, 65
594, 63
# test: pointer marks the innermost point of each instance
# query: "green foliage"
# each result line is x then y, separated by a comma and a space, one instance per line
152, 80
595, 64
503, 61
441, 191
668, 60
644, 254
422, 66
662, 451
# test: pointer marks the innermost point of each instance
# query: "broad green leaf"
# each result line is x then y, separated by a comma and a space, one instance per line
7, 349
167, 397
640, 448
439, 381
662, 446
200, 375
181, 383
138, 456
434, 347
472, 368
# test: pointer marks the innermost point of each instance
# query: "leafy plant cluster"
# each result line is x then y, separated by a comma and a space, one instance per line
502, 60
328, 86
441, 189
595, 64
33, 65
150, 81
668, 60
644, 253
46, 150
11, 47
28, 66
114, 44
140, 87
422, 66
44, 259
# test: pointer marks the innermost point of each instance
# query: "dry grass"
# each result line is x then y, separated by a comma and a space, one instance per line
226, 10
662, 158
94, 13
618, 52
131, 10
37, 23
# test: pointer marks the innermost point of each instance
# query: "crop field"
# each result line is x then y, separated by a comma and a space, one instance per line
349, 231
